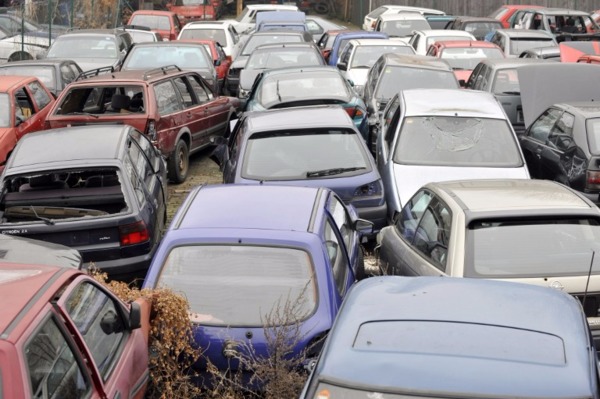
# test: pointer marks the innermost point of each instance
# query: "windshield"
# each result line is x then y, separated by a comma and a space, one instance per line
283, 88
141, 36
365, 56
4, 110
456, 141
186, 57
512, 248
218, 35
396, 78
270, 59
161, 22
506, 82
239, 285
404, 28
300, 154
81, 46
517, 46
258, 40
43, 73
467, 58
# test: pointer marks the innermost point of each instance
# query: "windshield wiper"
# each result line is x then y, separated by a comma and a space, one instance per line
83, 113
49, 222
333, 171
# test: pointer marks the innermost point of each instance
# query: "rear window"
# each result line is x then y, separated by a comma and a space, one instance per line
506, 82
217, 35
44, 74
467, 58
258, 40
456, 141
365, 56
160, 22
404, 27
117, 101
186, 57
82, 46
283, 58
396, 78
593, 134
239, 285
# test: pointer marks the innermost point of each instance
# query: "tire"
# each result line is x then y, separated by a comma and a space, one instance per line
361, 272
20, 56
179, 163
321, 7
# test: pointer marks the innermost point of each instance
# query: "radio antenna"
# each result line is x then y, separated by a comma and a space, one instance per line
587, 283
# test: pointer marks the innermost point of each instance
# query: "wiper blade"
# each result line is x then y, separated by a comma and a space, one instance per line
333, 171
49, 222
83, 113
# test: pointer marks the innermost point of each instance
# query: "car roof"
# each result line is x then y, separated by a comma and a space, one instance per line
207, 25
92, 142
402, 16
503, 63
525, 33
272, 7
141, 76
299, 118
503, 195
444, 32
24, 290
587, 109
432, 335
93, 32
154, 12
415, 61
277, 46
264, 207
378, 42
451, 102
464, 43
468, 18
561, 11
413, 9
42, 62
345, 34
9, 81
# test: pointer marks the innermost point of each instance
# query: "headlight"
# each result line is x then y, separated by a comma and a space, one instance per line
369, 190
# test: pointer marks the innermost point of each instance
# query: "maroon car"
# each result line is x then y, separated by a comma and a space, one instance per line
176, 109
63, 335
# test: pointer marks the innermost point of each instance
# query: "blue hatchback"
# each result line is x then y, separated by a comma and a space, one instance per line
239, 253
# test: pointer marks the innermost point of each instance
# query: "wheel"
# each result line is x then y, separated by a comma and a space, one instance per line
179, 163
321, 7
20, 56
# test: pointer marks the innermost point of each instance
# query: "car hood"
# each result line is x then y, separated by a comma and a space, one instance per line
550, 83
410, 178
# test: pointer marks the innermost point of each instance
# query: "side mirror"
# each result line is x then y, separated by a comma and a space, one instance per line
364, 227
462, 83
342, 66
135, 316
351, 82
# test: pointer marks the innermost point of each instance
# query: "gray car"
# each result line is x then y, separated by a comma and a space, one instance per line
56, 74
528, 231
455, 338
514, 41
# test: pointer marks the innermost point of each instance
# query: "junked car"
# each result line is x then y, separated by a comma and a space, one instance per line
315, 146
25, 46
65, 336
563, 24
401, 25
437, 135
166, 23
528, 231
422, 39
371, 18
220, 31
514, 41
427, 337
239, 252
53, 73
480, 27
342, 38
98, 189
176, 109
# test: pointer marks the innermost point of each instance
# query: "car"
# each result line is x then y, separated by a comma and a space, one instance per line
589, 59
536, 232
261, 247
427, 337
186, 55
359, 55
222, 32
464, 55
315, 146
422, 39
98, 189
176, 109
342, 38
401, 26
437, 135
246, 20
55, 74
542, 53
277, 55
394, 72
505, 12
23, 39
371, 18
166, 23
24, 104
221, 60
280, 20
64, 335
142, 34
563, 24
439, 21
500, 77
193, 10
92, 48
307, 85
326, 41
514, 41
317, 26
478, 26
571, 51
246, 47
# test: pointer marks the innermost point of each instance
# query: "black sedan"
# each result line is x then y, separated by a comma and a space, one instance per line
98, 189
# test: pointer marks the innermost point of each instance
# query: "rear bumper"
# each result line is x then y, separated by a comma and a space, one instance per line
124, 269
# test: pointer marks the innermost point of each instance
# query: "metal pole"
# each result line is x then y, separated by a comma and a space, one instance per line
72, 11
22, 30
49, 22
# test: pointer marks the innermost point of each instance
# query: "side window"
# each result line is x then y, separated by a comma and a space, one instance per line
132, 175
323, 41
67, 73
411, 214
53, 369
390, 121
313, 27
433, 234
345, 57
485, 82
42, 98
24, 106
337, 210
142, 167
220, 53
166, 98
185, 93
561, 136
147, 148
337, 258
540, 129
99, 322
202, 93
471, 83
432, 51
415, 41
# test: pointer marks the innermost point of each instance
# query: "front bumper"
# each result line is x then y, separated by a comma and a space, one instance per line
124, 269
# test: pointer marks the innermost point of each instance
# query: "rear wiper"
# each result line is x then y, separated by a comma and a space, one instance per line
83, 113
331, 172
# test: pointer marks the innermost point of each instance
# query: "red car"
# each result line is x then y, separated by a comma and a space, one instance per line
221, 60
24, 104
589, 59
195, 10
506, 11
464, 55
63, 335
166, 23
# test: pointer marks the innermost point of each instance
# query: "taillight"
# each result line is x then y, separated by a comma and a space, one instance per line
134, 233
354, 112
592, 180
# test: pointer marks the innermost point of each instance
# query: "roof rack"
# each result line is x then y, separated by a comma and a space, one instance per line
94, 72
164, 70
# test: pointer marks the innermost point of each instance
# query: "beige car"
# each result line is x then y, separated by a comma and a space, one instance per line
531, 231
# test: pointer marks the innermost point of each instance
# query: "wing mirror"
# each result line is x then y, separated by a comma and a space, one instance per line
364, 227
342, 66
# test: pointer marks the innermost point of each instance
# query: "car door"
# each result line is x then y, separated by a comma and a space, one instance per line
534, 143
215, 108
101, 322
195, 116
350, 237
170, 109
42, 100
